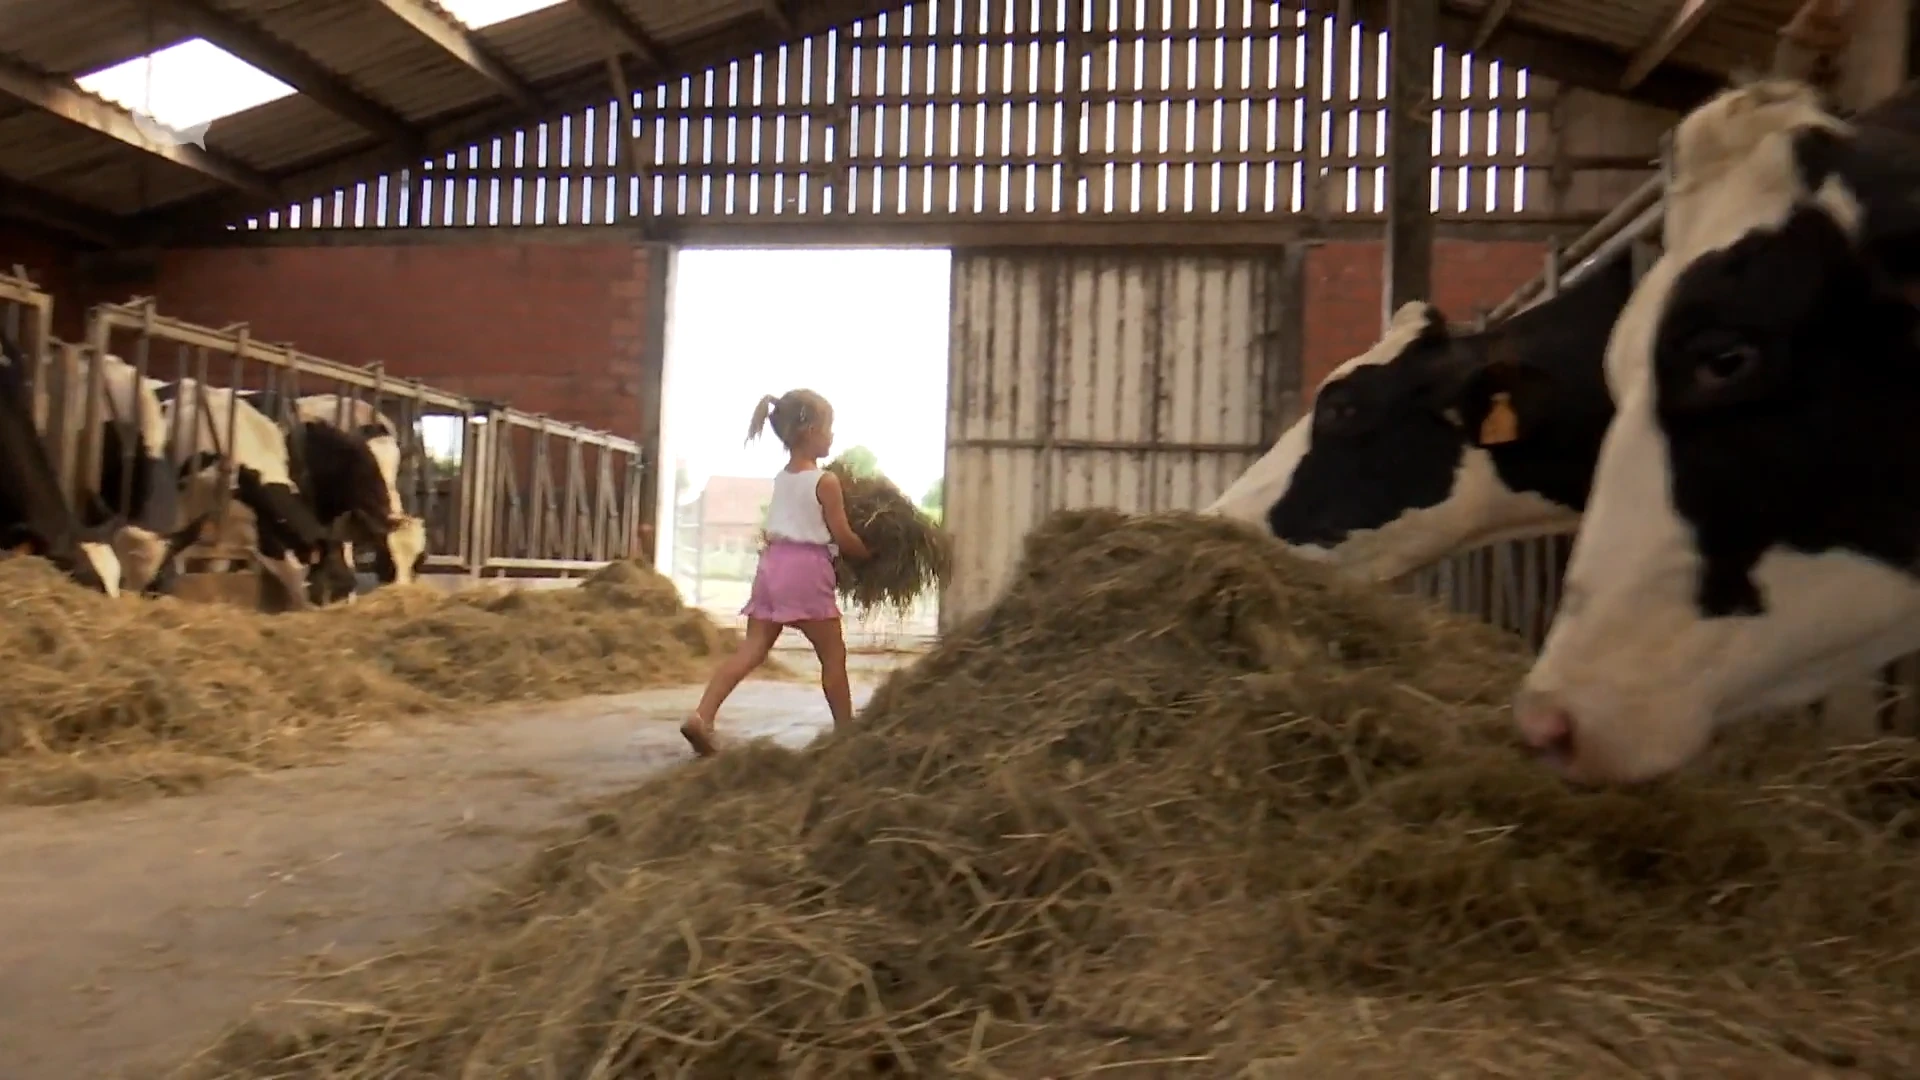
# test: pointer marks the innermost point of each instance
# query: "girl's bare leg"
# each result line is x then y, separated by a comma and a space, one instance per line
759, 639
831, 647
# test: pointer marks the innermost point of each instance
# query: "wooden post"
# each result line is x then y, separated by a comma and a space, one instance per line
1411, 29
631, 150
1873, 63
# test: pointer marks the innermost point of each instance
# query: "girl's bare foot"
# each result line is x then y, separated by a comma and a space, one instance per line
699, 734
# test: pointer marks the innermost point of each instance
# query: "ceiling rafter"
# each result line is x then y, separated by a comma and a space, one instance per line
464, 46
1680, 26
325, 87
1489, 24
1562, 58
633, 37
778, 14
63, 98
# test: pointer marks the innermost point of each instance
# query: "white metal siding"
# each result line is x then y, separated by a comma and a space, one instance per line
1137, 380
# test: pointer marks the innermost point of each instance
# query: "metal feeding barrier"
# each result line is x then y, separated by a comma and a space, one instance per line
503, 493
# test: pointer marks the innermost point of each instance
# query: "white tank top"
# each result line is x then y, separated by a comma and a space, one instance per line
795, 513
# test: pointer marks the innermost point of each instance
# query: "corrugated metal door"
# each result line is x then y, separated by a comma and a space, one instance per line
1139, 380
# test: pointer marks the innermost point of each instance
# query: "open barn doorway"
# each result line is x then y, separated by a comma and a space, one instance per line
865, 327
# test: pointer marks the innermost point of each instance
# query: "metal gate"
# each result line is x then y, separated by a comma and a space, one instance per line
1141, 380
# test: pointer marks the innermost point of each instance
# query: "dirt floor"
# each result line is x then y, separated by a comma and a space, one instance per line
131, 934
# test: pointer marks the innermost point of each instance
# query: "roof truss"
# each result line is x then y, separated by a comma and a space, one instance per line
588, 86
1680, 26
464, 46
291, 66
395, 144
633, 37
64, 98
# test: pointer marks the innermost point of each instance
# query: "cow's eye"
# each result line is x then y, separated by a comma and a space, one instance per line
1724, 366
1337, 413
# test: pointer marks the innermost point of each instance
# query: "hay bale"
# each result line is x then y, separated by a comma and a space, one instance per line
100, 696
912, 556
1180, 801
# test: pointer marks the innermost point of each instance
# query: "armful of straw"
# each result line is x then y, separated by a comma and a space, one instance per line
908, 554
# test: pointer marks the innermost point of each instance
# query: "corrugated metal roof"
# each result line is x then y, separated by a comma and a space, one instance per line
386, 62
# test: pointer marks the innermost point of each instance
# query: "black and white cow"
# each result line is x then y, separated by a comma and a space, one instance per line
131, 419
1433, 442
1399, 464
1752, 539
34, 516
302, 548
397, 539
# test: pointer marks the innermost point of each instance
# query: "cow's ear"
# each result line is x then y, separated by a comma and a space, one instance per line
1500, 403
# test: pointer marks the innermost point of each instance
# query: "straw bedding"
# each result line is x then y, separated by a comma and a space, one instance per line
1177, 806
101, 696
912, 555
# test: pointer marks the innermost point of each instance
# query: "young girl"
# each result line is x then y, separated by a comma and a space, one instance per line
794, 586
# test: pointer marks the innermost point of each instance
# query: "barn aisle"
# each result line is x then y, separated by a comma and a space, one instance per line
130, 933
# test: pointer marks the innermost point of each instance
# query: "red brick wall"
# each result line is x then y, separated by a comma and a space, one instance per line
553, 328
49, 261
1344, 283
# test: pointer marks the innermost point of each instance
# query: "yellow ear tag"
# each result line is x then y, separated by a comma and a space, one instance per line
1502, 425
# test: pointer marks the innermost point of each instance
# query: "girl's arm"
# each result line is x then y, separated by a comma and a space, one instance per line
833, 504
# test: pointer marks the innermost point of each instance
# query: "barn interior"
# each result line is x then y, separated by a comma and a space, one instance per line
1165, 222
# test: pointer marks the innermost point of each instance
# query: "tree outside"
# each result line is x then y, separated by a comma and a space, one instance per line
860, 461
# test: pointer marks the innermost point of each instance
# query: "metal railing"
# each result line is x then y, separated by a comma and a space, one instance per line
502, 492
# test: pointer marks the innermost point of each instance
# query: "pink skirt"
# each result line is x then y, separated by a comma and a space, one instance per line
794, 583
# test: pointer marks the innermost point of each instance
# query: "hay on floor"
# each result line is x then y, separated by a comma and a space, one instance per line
1177, 806
912, 555
99, 695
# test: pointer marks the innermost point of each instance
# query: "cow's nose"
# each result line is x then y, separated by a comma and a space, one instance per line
1546, 726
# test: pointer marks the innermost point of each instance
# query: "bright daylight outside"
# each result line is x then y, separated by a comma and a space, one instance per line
865, 328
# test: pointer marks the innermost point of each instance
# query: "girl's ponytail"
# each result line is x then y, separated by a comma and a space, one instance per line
760, 414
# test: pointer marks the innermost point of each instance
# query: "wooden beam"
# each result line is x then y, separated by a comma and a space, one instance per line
1567, 60
630, 152
1490, 20
463, 46
584, 86
1873, 63
64, 99
633, 37
779, 16
325, 87
1408, 275
1679, 27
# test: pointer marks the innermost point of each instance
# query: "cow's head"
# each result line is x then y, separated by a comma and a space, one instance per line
1428, 444
147, 558
90, 561
288, 531
399, 559
1753, 534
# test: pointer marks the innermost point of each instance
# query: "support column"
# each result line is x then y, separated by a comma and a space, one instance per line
654, 480
1411, 29
1874, 62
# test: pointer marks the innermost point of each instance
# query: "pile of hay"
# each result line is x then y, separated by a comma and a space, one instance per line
99, 695
912, 555
1178, 806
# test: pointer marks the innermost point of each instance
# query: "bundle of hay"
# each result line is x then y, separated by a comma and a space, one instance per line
1177, 806
912, 555
99, 696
